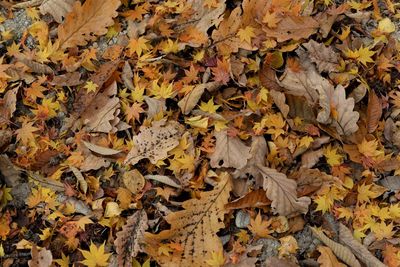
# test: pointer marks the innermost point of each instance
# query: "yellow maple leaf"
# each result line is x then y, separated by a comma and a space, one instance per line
259, 227
333, 158
366, 192
64, 261
217, 259
96, 256
90, 86
363, 55
138, 46
246, 34
209, 106
25, 133
383, 230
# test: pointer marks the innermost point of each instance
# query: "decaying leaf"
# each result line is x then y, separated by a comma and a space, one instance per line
253, 199
153, 142
194, 228
100, 149
374, 111
8, 105
282, 192
230, 152
91, 18
129, 240
81, 180
133, 181
292, 27
57, 8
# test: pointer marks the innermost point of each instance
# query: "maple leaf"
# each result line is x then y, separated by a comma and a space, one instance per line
209, 106
133, 111
90, 86
366, 192
25, 133
138, 46
363, 55
91, 18
333, 158
327, 258
259, 227
246, 34
221, 71
96, 256
217, 259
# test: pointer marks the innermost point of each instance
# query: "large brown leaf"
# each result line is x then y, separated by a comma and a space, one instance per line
84, 21
374, 111
194, 228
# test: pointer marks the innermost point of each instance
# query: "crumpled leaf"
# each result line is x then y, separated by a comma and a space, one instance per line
324, 57
129, 240
374, 111
100, 114
57, 8
282, 192
8, 105
258, 152
194, 228
230, 152
153, 142
84, 21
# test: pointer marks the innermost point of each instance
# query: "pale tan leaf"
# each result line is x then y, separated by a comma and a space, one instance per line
162, 179
42, 258
230, 152
56, 8
81, 180
87, 20
279, 100
282, 192
361, 252
153, 142
340, 251
327, 258
100, 149
155, 106
8, 105
93, 162
194, 228
129, 240
324, 57
374, 111
133, 181
310, 158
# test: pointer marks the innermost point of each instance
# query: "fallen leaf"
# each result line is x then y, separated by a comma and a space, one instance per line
324, 57
57, 8
374, 111
327, 258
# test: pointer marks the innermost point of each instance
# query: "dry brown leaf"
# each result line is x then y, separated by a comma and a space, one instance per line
327, 258
277, 262
362, 253
34, 66
340, 251
83, 185
258, 152
279, 100
133, 181
189, 101
153, 142
310, 158
324, 57
56, 8
293, 28
87, 20
100, 149
101, 112
225, 35
163, 179
194, 228
282, 192
374, 111
253, 199
203, 17
68, 79
129, 240
8, 105
42, 258
10, 173
93, 162
230, 152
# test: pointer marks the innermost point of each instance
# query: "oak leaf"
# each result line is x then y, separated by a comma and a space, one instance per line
84, 21
153, 142
129, 239
327, 258
230, 152
57, 8
194, 228
282, 192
